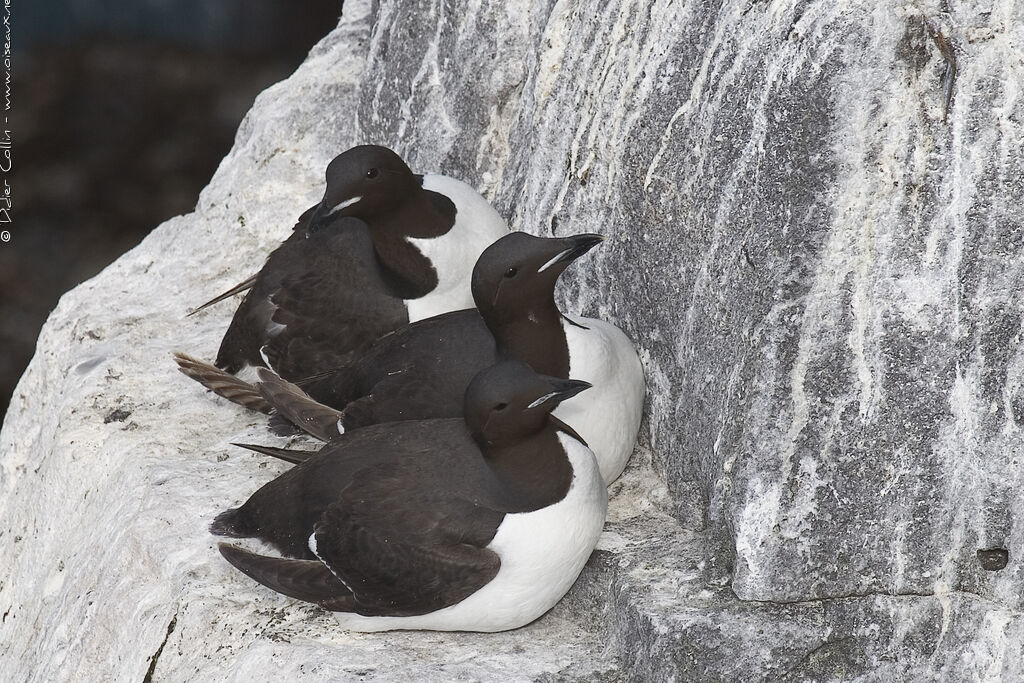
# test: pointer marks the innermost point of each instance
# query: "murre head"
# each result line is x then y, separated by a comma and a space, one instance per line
519, 271
508, 402
362, 182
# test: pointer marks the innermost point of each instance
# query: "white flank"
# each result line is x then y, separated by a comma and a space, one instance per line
454, 254
607, 415
541, 553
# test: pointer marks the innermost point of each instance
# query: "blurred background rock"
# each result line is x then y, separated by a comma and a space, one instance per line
120, 114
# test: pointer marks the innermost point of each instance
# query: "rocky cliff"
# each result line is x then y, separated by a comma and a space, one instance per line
816, 233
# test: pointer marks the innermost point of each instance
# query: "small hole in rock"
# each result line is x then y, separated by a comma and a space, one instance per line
993, 560
119, 415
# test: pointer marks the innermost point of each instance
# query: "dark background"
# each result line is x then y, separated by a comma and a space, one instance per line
119, 117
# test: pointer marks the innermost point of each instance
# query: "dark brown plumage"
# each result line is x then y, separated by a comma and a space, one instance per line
422, 370
402, 513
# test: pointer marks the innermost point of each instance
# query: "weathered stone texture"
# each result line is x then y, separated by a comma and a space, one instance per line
821, 267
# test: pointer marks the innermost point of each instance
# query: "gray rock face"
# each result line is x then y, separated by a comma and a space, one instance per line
818, 255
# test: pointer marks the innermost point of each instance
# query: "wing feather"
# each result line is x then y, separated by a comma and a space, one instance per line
404, 548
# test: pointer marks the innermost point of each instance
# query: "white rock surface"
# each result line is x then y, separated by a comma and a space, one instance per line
822, 274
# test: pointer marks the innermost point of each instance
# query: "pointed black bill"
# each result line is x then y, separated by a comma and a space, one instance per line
324, 214
562, 390
319, 219
572, 248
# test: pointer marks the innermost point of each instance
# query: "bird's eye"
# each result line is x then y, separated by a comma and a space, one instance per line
511, 272
501, 406
372, 173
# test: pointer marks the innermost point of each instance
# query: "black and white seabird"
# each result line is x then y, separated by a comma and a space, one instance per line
318, 300
420, 371
475, 524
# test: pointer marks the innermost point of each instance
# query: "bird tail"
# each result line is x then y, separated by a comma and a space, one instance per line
309, 415
230, 523
222, 383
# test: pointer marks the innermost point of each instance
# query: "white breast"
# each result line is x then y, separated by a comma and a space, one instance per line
608, 415
454, 254
541, 554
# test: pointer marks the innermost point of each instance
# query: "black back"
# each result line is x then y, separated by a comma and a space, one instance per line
325, 289
402, 513
422, 370
419, 371
245, 335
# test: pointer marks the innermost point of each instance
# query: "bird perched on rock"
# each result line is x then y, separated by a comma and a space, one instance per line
421, 371
382, 248
475, 524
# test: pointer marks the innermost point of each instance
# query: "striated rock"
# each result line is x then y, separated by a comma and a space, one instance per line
818, 254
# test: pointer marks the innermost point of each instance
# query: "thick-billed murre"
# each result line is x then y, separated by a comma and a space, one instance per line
316, 301
475, 524
420, 371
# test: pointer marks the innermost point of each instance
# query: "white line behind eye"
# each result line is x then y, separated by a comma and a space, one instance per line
542, 399
554, 259
344, 204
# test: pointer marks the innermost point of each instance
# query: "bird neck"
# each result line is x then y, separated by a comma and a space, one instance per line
535, 337
406, 272
421, 215
533, 473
